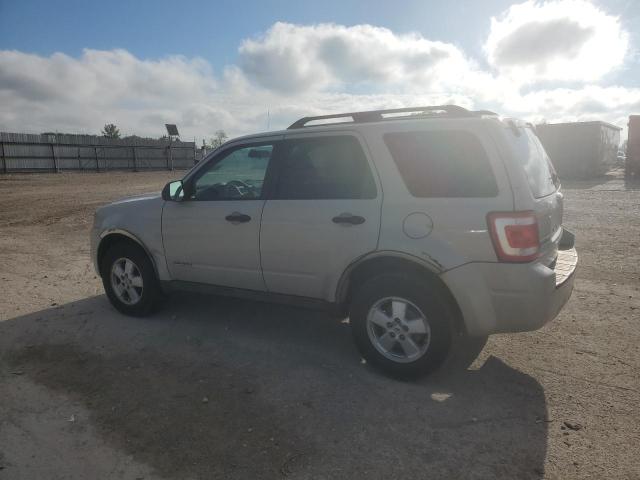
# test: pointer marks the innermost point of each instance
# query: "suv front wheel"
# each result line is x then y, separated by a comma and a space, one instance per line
129, 280
400, 326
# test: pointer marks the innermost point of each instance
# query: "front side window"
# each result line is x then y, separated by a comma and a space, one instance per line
442, 164
238, 175
324, 168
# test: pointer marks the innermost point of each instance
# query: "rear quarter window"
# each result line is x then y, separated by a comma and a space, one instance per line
450, 163
541, 175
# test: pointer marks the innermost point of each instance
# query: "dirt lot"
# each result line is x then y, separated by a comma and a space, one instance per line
213, 388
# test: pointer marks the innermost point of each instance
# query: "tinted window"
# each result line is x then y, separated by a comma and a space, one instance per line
238, 175
540, 172
324, 168
442, 164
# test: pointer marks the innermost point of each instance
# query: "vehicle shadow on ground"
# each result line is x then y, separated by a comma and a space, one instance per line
632, 183
214, 387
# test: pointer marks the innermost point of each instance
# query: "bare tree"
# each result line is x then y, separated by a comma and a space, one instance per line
218, 139
110, 131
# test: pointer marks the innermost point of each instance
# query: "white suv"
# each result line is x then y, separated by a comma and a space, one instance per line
430, 227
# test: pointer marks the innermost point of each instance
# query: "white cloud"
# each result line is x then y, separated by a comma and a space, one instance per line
298, 58
293, 71
564, 40
63, 93
81, 94
610, 104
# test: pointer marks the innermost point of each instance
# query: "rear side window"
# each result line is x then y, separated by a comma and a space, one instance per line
324, 168
541, 175
442, 164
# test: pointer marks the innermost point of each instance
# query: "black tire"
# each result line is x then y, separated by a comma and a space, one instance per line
423, 296
465, 349
150, 294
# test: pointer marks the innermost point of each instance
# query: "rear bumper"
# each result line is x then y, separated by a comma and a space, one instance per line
504, 297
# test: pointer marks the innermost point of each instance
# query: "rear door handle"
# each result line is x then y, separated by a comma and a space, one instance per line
237, 217
347, 218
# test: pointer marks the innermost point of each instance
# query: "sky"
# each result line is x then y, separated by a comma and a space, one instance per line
250, 66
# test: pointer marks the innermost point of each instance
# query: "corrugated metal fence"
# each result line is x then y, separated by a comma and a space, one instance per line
22, 152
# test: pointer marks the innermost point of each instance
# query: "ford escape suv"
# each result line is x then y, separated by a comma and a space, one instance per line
429, 227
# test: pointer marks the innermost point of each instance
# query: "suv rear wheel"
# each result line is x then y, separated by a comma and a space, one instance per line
129, 280
400, 326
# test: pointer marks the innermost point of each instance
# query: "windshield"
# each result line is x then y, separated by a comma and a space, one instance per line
541, 175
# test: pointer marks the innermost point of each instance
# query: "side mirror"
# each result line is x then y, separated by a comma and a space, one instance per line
173, 191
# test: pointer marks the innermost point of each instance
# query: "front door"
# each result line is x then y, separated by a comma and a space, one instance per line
324, 214
213, 236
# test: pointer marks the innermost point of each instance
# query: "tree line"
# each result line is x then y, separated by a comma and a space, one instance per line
110, 130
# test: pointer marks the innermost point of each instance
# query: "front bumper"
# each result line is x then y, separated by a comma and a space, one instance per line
509, 297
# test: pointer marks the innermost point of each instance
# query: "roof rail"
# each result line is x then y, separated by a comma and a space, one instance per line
378, 115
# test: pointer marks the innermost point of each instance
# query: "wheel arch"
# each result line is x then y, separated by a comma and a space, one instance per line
395, 262
112, 237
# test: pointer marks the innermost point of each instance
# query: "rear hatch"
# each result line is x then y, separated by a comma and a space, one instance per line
545, 189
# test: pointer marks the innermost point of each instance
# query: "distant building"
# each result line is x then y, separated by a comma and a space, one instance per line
580, 150
632, 161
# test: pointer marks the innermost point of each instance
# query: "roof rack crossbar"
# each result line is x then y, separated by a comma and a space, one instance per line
377, 115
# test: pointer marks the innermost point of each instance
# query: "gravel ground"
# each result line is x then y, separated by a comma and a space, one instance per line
213, 387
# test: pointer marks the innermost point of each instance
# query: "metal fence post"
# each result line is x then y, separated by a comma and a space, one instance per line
55, 158
4, 159
135, 159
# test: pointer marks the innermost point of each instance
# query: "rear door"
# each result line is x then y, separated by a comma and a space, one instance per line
324, 214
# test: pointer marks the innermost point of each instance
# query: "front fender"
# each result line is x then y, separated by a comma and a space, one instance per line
139, 221
106, 236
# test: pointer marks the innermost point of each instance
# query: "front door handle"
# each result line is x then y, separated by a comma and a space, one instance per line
237, 217
349, 219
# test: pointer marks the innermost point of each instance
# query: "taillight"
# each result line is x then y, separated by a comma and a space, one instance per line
514, 235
